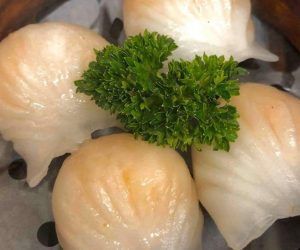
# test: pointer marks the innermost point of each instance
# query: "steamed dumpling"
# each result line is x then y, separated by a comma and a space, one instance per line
6, 153
40, 111
258, 181
116, 192
221, 27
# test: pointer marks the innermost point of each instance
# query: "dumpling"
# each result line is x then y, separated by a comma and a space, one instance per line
221, 27
258, 181
116, 192
6, 153
40, 111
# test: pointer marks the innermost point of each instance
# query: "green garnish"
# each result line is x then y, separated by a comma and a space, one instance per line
177, 105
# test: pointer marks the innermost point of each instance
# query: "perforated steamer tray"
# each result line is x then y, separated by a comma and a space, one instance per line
26, 221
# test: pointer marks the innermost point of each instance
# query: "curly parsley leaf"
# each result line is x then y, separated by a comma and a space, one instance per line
179, 103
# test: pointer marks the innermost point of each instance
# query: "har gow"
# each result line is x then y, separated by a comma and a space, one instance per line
40, 111
216, 27
257, 182
117, 192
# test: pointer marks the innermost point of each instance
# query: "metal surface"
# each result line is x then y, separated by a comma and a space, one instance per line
24, 210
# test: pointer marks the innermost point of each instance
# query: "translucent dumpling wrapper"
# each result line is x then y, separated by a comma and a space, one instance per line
214, 27
116, 192
247, 189
40, 111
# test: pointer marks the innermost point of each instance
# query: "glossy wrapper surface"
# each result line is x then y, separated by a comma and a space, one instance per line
117, 192
40, 111
258, 181
222, 27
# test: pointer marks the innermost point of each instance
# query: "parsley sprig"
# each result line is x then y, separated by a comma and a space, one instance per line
179, 103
